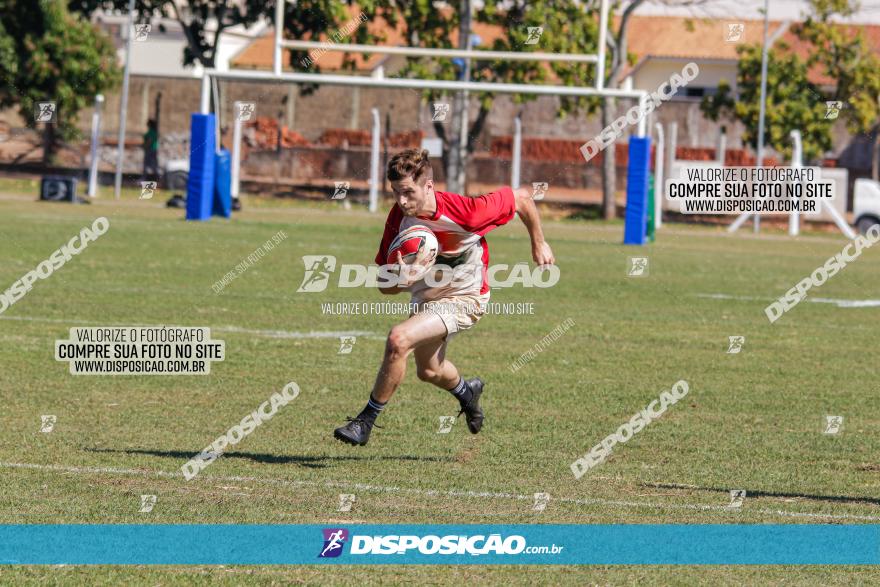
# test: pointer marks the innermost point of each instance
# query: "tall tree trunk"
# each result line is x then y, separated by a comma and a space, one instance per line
49, 143
457, 154
453, 156
609, 106
609, 171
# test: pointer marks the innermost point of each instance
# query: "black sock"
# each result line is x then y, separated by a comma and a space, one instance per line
462, 391
371, 410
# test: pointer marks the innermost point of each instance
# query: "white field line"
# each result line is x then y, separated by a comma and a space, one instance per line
839, 303
423, 492
233, 329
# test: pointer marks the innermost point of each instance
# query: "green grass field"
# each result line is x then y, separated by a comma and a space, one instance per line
752, 420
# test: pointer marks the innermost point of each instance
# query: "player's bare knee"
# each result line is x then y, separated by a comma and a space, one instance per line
398, 342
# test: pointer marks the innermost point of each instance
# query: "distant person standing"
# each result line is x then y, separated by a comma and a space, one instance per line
151, 150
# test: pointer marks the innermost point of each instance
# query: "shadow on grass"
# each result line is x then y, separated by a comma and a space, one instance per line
756, 493
310, 462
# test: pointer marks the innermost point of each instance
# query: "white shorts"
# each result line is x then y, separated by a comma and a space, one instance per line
457, 312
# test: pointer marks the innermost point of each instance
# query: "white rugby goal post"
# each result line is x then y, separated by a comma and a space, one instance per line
278, 75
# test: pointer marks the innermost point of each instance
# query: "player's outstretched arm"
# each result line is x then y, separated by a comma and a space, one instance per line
528, 213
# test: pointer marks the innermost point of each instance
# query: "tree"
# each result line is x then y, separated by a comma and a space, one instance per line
844, 54
203, 21
193, 17
795, 97
49, 55
793, 102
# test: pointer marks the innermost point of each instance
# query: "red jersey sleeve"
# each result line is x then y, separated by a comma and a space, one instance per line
392, 227
483, 213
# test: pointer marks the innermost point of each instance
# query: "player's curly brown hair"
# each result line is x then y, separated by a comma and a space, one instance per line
411, 163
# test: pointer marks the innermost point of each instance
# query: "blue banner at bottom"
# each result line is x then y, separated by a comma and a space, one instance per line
624, 544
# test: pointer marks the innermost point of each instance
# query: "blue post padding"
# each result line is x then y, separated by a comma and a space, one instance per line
637, 172
223, 184
200, 186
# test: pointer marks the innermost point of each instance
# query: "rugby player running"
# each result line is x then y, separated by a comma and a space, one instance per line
450, 305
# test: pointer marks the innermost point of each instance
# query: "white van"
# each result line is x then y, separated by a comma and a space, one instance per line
866, 204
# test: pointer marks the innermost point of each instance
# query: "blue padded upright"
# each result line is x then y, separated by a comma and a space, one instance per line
223, 184
636, 220
200, 186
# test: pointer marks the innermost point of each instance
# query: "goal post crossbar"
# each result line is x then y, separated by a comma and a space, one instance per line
409, 83
415, 84
598, 58
442, 53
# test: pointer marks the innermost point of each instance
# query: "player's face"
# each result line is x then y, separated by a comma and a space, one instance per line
411, 197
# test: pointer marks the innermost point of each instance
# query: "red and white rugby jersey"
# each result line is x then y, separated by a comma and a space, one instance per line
460, 224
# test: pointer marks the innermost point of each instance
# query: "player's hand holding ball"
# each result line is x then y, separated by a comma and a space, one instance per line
414, 252
410, 273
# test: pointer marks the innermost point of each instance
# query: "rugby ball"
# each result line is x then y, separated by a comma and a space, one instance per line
410, 241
